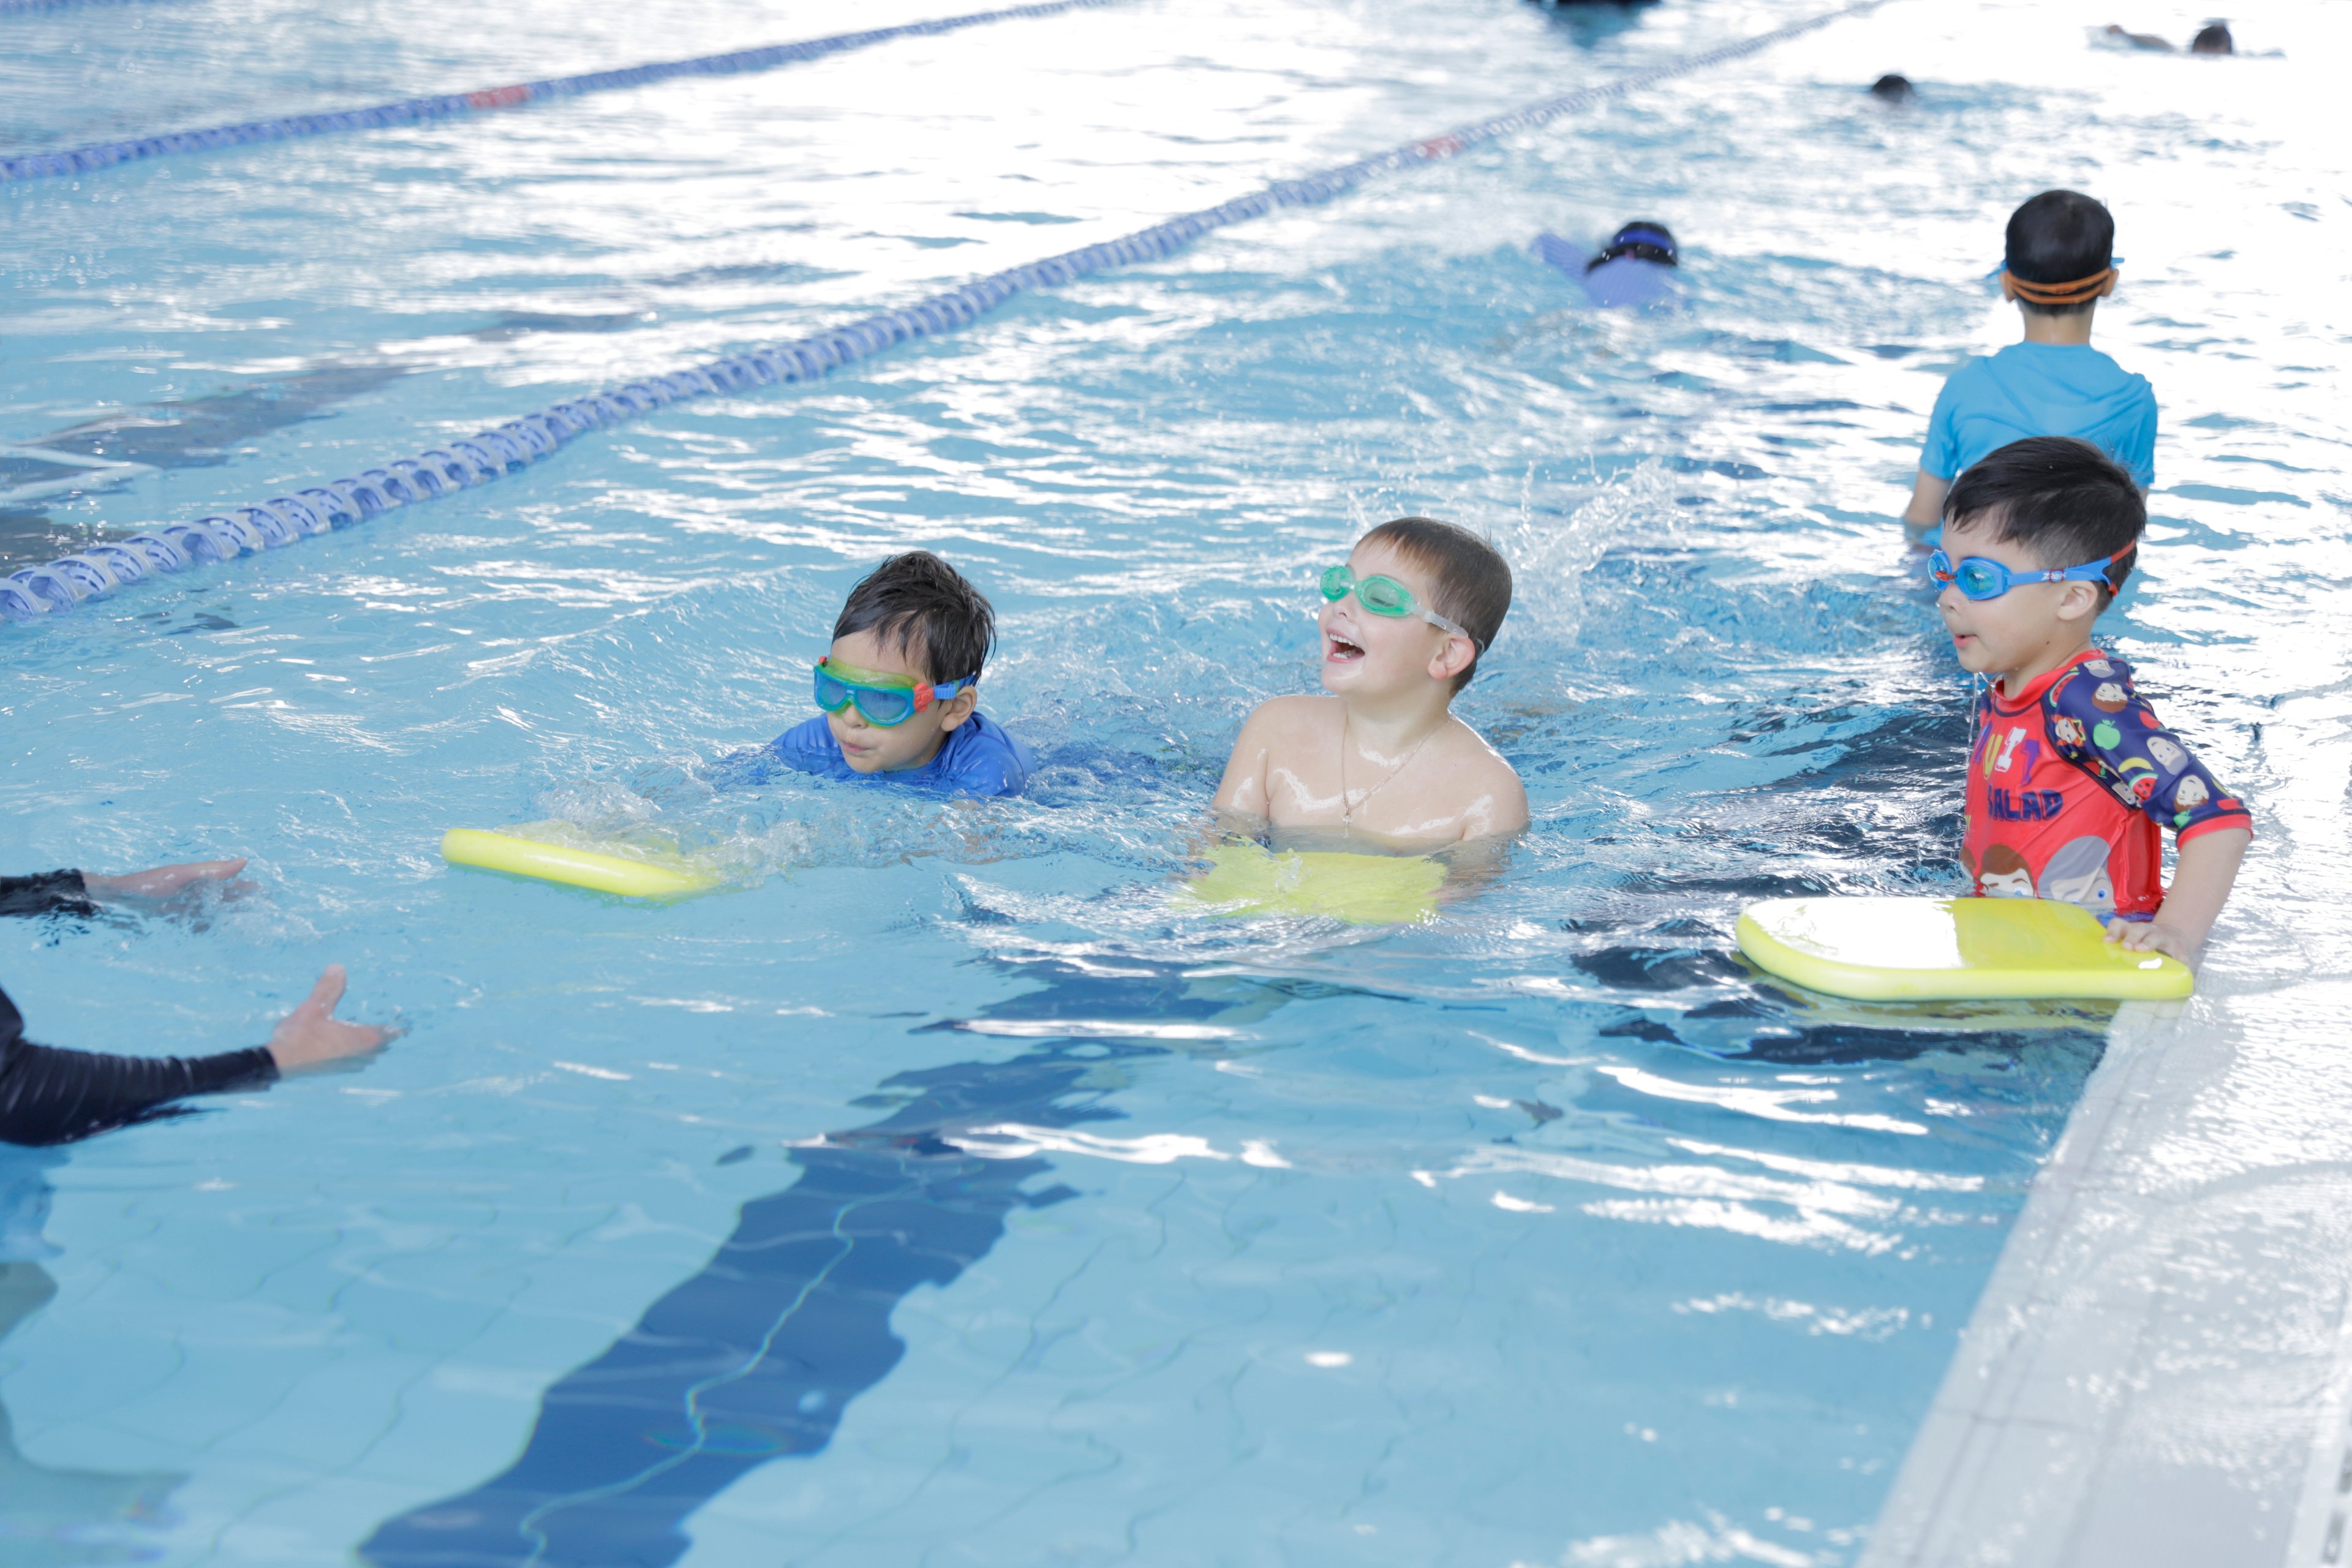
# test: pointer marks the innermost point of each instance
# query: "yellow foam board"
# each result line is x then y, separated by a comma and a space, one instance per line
1246, 879
630, 875
1952, 950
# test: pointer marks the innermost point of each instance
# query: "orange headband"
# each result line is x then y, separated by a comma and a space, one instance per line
2074, 293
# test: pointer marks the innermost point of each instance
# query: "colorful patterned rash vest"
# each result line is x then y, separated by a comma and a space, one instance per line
2067, 781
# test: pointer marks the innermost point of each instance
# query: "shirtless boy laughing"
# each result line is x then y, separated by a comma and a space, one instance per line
1382, 758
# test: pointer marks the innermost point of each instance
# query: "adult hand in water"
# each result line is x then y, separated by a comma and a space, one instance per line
308, 1036
160, 882
312, 1035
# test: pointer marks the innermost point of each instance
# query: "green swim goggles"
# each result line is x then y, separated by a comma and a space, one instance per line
884, 705
1387, 597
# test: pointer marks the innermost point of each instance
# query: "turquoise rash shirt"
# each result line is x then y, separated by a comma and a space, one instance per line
2043, 389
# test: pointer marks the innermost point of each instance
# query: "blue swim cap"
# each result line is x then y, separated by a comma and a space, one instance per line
1643, 242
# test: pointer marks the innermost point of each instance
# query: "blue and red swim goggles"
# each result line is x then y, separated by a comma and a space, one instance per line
883, 705
1977, 578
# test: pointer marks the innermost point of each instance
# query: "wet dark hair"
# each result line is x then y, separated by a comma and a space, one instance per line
1894, 86
2063, 500
2214, 38
1641, 240
1471, 581
919, 595
2060, 236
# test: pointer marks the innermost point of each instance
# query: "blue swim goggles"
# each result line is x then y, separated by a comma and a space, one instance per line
883, 705
1979, 578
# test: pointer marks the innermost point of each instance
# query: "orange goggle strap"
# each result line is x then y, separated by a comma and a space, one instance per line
2074, 293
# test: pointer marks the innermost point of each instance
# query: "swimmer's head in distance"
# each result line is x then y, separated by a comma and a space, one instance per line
1892, 87
2060, 253
2214, 38
1643, 241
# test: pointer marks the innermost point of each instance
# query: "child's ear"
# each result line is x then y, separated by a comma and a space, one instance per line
1456, 656
2079, 602
959, 708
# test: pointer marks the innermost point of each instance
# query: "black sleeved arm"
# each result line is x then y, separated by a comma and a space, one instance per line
49, 1096
46, 893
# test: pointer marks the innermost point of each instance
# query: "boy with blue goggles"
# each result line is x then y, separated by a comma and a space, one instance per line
2072, 778
886, 715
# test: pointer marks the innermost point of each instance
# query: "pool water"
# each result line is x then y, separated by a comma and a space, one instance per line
946, 1191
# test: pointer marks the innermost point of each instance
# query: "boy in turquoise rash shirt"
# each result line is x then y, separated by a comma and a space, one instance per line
2060, 264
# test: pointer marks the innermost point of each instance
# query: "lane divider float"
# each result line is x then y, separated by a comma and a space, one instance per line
455, 105
100, 569
37, 7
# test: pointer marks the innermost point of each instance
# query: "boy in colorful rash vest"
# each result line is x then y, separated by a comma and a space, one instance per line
1382, 758
899, 688
2059, 263
2070, 773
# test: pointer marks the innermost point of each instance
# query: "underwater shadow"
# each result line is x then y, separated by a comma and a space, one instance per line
755, 1358
57, 1518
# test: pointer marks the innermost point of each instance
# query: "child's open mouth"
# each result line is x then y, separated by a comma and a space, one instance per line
1341, 648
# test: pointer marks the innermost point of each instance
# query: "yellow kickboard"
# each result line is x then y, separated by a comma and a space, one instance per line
630, 875
1246, 879
1952, 950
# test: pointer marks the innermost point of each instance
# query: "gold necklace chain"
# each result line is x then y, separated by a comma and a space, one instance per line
1346, 809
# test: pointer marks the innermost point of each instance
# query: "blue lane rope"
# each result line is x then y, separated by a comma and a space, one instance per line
404, 482
451, 106
37, 7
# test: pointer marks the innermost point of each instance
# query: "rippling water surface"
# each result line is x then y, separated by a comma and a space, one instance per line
1542, 1233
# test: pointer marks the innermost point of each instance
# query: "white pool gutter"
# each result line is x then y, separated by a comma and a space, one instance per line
2157, 1373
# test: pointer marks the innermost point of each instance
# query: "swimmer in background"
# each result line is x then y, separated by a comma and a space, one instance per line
899, 687
1382, 760
1894, 88
1634, 269
2059, 264
2214, 38
51, 1096
2070, 773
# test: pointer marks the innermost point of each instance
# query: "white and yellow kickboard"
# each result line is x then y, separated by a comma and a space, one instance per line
1952, 950
633, 876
